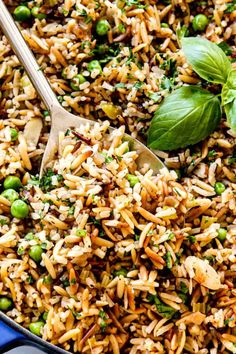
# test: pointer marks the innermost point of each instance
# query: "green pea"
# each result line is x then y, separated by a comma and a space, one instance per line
102, 27
94, 65
5, 303
132, 180
10, 194
22, 13
200, 22
19, 209
76, 81
14, 134
164, 25
12, 182
36, 13
45, 316
35, 253
36, 328
219, 188
222, 233
46, 114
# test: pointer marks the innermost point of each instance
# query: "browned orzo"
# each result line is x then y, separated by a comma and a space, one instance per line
129, 262
111, 259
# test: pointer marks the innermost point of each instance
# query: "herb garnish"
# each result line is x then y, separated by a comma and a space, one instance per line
163, 309
207, 59
87, 18
135, 3
230, 7
3, 221
166, 83
190, 113
191, 239
168, 260
184, 118
103, 324
229, 99
46, 182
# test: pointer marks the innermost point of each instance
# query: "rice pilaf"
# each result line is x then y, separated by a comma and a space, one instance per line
130, 262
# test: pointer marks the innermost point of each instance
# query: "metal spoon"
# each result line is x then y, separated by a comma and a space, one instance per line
60, 118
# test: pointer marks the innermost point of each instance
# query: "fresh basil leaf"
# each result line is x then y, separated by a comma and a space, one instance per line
230, 111
228, 93
231, 82
229, 99
207, 59
186, 116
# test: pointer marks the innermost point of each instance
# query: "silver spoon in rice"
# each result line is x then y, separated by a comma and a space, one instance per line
61, 120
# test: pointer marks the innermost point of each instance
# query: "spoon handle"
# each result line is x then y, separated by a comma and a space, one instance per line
26, 58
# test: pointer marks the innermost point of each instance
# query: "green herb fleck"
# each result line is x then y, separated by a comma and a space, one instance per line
29, 236
168, 260
47, 179
71, 210
154, 96
65, 283
183, 297
103, 324
30, 280
191, 239
163, 309
135, 3
183, 287
120, 85
121, 28
81, 233
85, 44
3, 221
212, 153
138, 85
108, 159
44, 245
47, 279
230, 7
121, 271
171, 236
166, 83
20, 251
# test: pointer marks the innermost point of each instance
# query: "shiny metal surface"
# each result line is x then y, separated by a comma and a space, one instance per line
25, 350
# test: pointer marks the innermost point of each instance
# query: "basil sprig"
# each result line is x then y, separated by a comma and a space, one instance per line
229, 99
207, 59
189, 114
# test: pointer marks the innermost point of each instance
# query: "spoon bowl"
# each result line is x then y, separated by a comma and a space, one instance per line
61, 119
